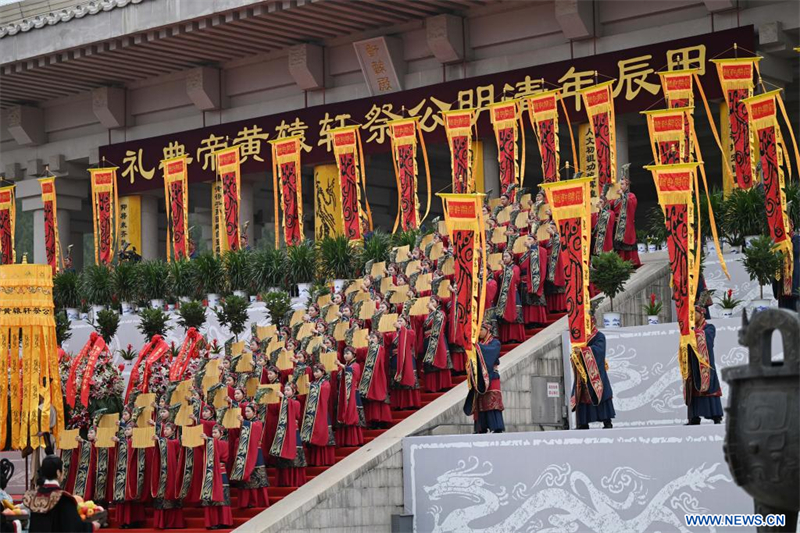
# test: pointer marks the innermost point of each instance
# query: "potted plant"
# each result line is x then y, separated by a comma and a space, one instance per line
405, 238
66, 292
652, 244
96, 287
83, 310
609, 272
128, 355
301, 262
106, 324
126, 282
728, 303
155, 274
657, 230
641, 241
375, 249
278, 304
63, 328
182, 280
236, 264
153, 321
792, 192
268, 269
192, 315
336, 259
745, 216
232, 313
652, 309
762, 261
209, 276
718, 206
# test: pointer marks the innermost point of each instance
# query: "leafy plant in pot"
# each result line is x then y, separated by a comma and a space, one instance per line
267, 269
652, 309
375, 249
405, 238
192, 315
609, 272
728, 303
336, 258
63, 328
106, 323
66, 292
96, 286
762, 261
182, 280
301, 261
153, 321
236, 264
232, 313
278, 304
209, 276
745, 215
126, 282
155, 274
656, 229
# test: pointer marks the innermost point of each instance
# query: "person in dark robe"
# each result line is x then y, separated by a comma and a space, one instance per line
287, 447
702, 391
249, 470
625, 212
317, 430
374, 387
435, 353
54, 510
485, 398
215, 497
592, 396
509, 304
349, 412
555, 284
788, 297
603, 224
167, 479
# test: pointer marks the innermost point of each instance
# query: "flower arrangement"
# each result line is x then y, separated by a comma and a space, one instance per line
653, 306
728, 301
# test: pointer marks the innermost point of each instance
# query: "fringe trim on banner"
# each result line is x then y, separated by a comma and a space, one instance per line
229, 161
180, 175
284, 151
458, 124
97, 189
54, 256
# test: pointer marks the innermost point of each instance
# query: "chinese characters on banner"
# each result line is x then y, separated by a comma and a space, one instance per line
635, 90
130, 222
543, 112
8, 220
668, 135
327, 202
352, 181
176, 196
51, 243
287, 179
599, 102
403, 133
508, 129
676, 187
459, 126
105, 215
228, 172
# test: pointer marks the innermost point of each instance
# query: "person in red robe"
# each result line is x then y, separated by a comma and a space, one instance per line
316, 430
435, 353
350, 412
128, 481
84, 459
625, 210
215, 496
239, 401
166, 481
287, 447
402, 367
603, 224
270, 421
533, 270
509, 306
374, 387
249, 470
555, 285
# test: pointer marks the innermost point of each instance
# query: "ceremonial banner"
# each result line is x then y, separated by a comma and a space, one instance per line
105, 213
8, 219
327, 202
28, 355
230, 181
403, 133
508, 128
543, 112
176, 195
736, 79
669, 138
677, 86
353, 181
464, 219
287, 178
130, 222
459, 126
218, 240
676, 186
51, 243
570, 202
763, 113
599, 104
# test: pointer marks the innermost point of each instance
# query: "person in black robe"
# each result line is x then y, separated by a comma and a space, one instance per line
585, 402
485, 399
703, 401
52, 509
785, 300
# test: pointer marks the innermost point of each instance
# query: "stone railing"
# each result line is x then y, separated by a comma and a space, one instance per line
365, 490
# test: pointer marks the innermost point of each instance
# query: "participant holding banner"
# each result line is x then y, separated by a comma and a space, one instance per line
625, 212
702, 387
592, 397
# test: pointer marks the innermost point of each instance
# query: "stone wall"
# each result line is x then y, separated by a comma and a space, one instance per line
362, 492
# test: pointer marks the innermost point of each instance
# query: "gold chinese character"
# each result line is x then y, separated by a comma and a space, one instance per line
527, 87
372, 49
251, 141
430, 119
174, 149
633, 76
326, 125
133, 164
376, 120
572, 82
208, 146
378, 67
686, 58
298, 127
384, 84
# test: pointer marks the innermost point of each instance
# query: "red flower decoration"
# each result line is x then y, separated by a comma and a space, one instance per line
653, 298
730, 293
121, 367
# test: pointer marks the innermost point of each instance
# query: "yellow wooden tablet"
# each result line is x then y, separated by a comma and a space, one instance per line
420, 306
387, 323
143, 437
495, 261
403, 253
231, 418
67, 439
449, 266
109, 421
192, 436
378, 269
360, 338
328, 360
423, 282
367, 310
105, 437
145, 400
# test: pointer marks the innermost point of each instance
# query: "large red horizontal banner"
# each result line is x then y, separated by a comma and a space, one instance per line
637, 87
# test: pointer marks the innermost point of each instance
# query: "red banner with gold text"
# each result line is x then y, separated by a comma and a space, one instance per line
406, 135
51, 242
347, 149
507, 124
459, 126
287, 179
228, 172
543, 112
8, 216
105, 213
176, 195
599, 103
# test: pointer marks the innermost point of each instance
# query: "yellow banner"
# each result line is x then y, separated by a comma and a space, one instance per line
130, 224
327, 202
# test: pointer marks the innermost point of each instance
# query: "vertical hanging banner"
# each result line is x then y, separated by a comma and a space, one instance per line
736, 79
51, 242
679, 93
349, 160
464, 220
130, 222
570, 202
403, 133
287, 179
507, 123
327, 202
105, 213
219, 240
599, 104
543, 112
668, 135
676, 188
459, 126
176, 195
763, 114
228, 174
8, 222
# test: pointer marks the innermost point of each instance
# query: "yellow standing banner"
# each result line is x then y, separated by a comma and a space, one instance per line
328, 221
130, 222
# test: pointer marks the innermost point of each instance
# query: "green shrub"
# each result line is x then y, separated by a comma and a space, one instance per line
278, 304
106, 324
609, 272
96, 287
232, 313
153, 321
268, 269
762, 261
155, 276
192, 315
66, 289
